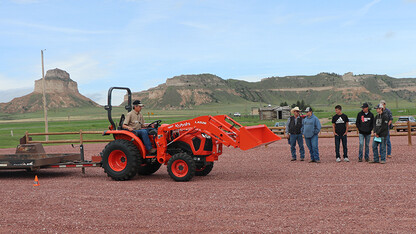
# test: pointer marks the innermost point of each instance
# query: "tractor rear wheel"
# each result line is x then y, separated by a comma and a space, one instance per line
149, 168
204, 170
181, 167
120, 159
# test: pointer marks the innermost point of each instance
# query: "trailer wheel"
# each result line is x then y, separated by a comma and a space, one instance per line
148, 169
120, 159
204, 170
181, 167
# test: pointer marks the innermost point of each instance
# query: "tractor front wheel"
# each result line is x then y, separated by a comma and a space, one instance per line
120, 159
181, 167
204, 170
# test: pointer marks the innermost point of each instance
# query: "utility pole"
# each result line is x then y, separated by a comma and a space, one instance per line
45, 109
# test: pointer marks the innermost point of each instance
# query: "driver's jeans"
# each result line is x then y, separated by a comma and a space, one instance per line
144, 135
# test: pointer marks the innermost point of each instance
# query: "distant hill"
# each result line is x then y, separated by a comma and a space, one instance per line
186, 91
61, 92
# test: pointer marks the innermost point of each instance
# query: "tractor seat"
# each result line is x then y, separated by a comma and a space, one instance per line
120, 124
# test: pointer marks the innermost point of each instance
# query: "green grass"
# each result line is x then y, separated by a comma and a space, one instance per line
95, 119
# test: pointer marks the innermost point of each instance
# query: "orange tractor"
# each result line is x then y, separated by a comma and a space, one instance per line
188, 147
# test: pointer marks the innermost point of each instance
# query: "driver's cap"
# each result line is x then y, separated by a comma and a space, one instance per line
138, 103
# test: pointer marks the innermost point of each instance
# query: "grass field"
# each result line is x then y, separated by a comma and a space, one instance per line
13, 127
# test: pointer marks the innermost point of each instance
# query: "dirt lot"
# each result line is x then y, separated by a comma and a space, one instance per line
258, 190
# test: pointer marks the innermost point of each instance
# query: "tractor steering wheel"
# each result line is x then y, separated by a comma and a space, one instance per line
155, 123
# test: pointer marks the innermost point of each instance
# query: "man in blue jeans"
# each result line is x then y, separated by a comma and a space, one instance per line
340, 124
134, 122
381, 128
390, 115
310, 129
293, 130
364, 124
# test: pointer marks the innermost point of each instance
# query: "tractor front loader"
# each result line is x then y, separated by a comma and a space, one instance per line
188, 147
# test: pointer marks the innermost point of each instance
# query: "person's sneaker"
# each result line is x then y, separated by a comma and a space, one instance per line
302, 159
312, 161
293, 159
152, 151
346, 160
318, 161
360, 160
367, 159
338, 160
388, 156
373, 162
383, 162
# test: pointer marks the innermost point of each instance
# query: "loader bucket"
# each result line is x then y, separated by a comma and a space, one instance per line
253, 136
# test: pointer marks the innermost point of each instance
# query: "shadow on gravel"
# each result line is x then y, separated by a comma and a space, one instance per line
15, 174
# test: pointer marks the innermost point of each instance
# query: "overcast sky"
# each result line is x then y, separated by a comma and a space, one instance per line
141, 43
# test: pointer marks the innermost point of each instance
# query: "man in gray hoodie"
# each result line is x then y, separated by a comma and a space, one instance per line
310, 129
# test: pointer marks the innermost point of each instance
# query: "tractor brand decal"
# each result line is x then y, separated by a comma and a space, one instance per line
200, 122
182, 125
171, 126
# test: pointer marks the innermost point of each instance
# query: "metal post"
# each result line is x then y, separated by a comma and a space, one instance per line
409, 133
45, 110
81, 149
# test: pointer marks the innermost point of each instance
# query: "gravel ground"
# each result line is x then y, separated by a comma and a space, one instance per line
258, 190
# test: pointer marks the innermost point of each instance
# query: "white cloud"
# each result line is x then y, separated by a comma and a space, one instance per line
25, 1
410, 74
54, 28
360, 13
253, 78
8, 83
81, 67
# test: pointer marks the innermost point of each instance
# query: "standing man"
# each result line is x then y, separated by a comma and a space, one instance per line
365, 124
340, 128
293, 129
390, 115
134, 122
381, 128
310, 129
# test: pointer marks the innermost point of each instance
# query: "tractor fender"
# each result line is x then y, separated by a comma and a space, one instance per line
129, 136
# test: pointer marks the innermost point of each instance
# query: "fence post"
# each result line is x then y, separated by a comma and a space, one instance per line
409, 133
81, 149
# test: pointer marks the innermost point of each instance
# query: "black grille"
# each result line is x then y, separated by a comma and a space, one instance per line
208, 144
197, 143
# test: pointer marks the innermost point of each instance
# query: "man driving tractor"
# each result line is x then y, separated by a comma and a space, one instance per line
134, 122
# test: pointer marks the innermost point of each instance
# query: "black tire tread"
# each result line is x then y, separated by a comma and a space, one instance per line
191, 166
207, 169
132, 154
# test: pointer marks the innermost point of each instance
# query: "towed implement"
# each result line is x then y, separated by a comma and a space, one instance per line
188, 147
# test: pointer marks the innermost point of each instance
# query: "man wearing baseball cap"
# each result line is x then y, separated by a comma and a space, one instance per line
134, 122
293, 130
390, 115
364, 124
381, 128
310, 129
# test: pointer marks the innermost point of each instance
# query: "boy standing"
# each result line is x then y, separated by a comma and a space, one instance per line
310, 129
381, 128
340, 128
365, 124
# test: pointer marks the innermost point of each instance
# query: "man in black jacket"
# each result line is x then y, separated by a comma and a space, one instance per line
365, 124
381, 128
293, 128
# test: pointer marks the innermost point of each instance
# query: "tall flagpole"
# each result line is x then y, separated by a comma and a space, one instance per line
45, 109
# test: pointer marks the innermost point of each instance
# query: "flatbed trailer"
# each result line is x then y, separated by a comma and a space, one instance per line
33, 157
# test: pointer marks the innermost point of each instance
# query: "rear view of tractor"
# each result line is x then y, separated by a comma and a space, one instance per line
188, 147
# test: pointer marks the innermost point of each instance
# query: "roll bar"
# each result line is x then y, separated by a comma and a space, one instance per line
109, 107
